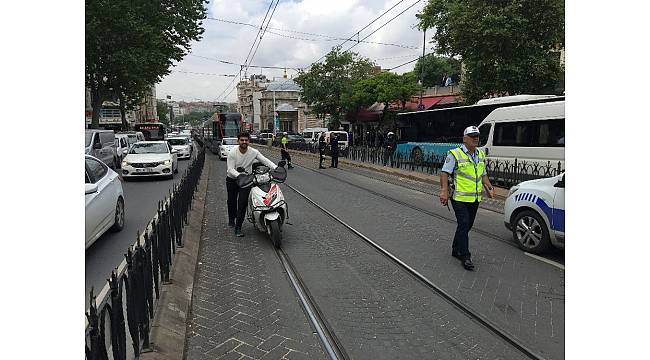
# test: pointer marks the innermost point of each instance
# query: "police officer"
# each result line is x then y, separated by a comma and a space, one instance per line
321, 150
466, 164
284, 151
334, 150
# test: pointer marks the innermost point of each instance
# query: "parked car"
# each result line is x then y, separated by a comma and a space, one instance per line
121, 146
182, 145
227, 144
534, 212
134, 136
311, 135
101, 144
104, 200
150, 158
294, 138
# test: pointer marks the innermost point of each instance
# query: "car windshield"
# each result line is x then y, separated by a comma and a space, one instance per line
89, 137
229, 141
149, 148
133, 138
177, 141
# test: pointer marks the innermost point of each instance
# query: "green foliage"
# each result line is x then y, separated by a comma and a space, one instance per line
505, 46
163, 112
435, 67
385, 88
131, 45
327, 86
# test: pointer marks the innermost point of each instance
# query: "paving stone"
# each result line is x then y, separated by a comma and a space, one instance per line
240, 291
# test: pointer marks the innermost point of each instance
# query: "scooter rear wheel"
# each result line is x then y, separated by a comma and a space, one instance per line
276, 234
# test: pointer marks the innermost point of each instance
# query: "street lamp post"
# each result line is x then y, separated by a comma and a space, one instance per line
424, 47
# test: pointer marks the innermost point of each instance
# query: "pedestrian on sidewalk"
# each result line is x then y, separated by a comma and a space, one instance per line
334, 150
284, 151
321, 150
241, 157
466, 164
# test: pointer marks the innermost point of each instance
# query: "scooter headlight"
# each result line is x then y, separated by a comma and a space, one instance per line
262, 178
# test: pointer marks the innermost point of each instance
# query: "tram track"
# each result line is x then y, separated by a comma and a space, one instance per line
333, 346
416, 208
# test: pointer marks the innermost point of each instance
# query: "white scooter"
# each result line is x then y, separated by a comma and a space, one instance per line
267, 209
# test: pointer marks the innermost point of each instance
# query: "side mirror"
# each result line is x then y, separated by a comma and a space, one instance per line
97, 146
91, 188
282, 163
174, 151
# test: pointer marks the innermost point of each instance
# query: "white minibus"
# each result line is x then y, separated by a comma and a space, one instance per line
532, 133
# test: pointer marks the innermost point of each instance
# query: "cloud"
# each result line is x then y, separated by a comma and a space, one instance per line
337, 18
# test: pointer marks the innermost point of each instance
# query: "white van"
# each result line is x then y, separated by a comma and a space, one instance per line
342, 137
532, 133
311, 135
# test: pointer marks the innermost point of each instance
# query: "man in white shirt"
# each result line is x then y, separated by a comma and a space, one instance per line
243, 157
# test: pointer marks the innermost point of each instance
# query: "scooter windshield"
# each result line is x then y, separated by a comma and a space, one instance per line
279, 174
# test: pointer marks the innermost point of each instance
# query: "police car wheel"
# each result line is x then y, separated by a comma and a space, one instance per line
530, 231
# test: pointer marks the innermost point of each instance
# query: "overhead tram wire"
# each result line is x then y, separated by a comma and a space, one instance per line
384, 24
406, 63
200, 73
261, 36
253, 66
258, 32
359, 31
325, 37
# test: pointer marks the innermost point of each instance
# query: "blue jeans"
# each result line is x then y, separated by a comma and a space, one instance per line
465, 214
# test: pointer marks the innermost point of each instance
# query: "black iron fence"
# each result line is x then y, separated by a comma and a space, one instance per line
502, 173
125, 308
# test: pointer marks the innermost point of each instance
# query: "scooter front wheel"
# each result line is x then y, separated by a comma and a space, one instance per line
276, 234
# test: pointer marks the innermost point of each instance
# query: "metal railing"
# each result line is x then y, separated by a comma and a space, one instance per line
128, 301
502, 173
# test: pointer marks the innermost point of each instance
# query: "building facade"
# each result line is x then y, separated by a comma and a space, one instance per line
281, 98
249, 93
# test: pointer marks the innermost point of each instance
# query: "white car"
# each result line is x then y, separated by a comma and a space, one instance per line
182, 145
104, 200
150, 158
534, 212
227, 144
121, 145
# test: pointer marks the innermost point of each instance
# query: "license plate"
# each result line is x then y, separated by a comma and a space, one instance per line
142, 170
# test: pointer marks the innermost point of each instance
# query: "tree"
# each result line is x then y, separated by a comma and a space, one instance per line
435, 67
505, 46
385, 88
326, 86
163, 112
131, 45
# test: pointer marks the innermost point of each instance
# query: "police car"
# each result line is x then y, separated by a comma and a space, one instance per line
534, 212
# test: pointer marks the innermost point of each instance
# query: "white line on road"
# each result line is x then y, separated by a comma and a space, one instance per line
550, 262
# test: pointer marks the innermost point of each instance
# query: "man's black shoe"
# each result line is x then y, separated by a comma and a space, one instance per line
238, 233
290, 166
468, 265
231, 224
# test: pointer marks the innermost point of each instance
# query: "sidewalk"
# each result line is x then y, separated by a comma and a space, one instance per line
242, 304
426, 183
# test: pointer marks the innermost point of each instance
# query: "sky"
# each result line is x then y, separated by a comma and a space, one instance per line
196, 77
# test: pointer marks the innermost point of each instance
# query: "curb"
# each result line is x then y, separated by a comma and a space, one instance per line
501, 193
169, 325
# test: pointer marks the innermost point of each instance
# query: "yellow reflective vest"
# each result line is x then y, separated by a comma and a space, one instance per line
467, 176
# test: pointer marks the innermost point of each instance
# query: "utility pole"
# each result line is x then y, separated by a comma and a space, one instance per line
424, 47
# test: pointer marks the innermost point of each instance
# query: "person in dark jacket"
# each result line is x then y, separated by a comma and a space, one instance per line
391, 143
321, 150
334, 150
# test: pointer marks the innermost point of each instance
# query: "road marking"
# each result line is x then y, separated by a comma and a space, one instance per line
550, 262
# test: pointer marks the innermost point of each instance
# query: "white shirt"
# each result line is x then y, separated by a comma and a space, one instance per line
237, 159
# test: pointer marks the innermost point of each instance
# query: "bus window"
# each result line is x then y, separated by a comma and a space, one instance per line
485, 132
551, 133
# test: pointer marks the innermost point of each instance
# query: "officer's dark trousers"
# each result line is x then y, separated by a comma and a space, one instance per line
335, 159
321, 152
285, 156
465, 215
237, 202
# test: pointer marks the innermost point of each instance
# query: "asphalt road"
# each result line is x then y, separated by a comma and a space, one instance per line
140, 203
